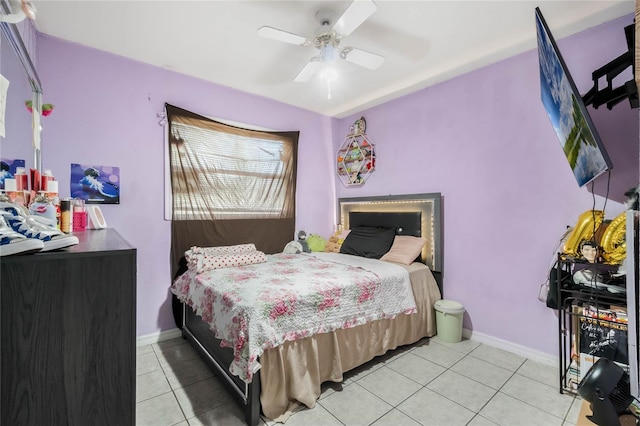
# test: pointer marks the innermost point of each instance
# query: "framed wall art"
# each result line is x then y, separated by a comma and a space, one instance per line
95, 184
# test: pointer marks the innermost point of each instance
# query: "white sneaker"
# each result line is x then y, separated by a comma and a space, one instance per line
35, 227
13, 243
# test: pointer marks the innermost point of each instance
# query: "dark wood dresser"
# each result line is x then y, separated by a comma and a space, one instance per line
67, 334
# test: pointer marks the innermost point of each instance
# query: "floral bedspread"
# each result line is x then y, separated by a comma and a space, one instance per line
252, 308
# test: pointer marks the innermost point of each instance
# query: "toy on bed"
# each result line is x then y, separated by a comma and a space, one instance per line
316, 242
293, 247
305, 244
302, 240
335, 241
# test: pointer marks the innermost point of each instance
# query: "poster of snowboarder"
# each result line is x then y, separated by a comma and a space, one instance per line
95, 184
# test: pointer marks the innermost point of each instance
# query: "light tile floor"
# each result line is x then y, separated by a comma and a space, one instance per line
429, 383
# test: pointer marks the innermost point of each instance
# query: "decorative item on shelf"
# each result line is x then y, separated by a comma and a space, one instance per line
614, 240
95, 218
47, 109
359, 127
590, 250
585, 230
356, 156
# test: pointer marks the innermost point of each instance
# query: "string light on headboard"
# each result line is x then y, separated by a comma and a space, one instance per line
426, 205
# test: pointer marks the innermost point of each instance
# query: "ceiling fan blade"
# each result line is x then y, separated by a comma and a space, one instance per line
309, 70
279, 35
363, 58
357, 12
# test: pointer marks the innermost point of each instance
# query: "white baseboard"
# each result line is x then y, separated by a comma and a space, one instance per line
524, 351
148, 339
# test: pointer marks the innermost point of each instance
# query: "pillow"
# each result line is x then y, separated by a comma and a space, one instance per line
195, 253
368, 242
207, 262
405, 249
344, 234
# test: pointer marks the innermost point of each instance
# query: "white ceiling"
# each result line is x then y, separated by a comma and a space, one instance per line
424, 42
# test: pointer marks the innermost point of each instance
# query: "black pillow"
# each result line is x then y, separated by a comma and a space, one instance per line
368, 242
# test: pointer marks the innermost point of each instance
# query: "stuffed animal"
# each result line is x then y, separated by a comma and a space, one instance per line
293, 247
316, 242
333, 244
302, 239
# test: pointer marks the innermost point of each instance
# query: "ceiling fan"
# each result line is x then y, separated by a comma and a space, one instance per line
328, 36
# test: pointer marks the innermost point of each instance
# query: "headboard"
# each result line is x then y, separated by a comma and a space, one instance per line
413, 214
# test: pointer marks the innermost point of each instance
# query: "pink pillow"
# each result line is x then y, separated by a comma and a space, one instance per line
405, 249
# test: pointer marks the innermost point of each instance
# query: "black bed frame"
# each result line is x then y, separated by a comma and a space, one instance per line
416, 214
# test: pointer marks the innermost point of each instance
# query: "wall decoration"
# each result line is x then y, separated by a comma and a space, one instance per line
8, 169
46, 109
356, 158
95, 184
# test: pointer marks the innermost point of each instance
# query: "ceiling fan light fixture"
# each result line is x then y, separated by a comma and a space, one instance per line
328, 53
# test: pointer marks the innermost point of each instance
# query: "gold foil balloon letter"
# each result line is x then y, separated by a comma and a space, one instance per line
588, 223
613, 242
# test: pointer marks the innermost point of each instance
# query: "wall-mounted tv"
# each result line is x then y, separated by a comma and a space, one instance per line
569, 116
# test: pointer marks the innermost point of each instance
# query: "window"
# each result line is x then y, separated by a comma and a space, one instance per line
223, 172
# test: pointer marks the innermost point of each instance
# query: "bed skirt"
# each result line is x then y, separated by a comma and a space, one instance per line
292, 373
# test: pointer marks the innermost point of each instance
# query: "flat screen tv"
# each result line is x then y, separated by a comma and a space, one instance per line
568, 114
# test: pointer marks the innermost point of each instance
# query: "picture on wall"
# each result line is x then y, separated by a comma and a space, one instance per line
8, 169
95, 184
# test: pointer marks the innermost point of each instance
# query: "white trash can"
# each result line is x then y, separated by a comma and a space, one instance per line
449, 320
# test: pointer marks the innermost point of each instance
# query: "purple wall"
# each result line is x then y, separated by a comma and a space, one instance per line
485, 142
106, 113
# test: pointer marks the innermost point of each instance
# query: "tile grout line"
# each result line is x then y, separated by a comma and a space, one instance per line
513, 373
184, 416
385, 363
421, 386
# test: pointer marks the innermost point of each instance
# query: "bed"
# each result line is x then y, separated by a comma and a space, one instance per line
290, 372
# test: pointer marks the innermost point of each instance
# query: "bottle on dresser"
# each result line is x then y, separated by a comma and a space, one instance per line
12, 192
46, 203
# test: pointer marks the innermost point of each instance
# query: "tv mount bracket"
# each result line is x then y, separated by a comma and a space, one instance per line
608, 95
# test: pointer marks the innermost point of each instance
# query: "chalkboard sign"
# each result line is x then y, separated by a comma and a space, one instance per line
604, 339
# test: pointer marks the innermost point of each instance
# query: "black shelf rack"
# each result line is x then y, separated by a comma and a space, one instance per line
572, 298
